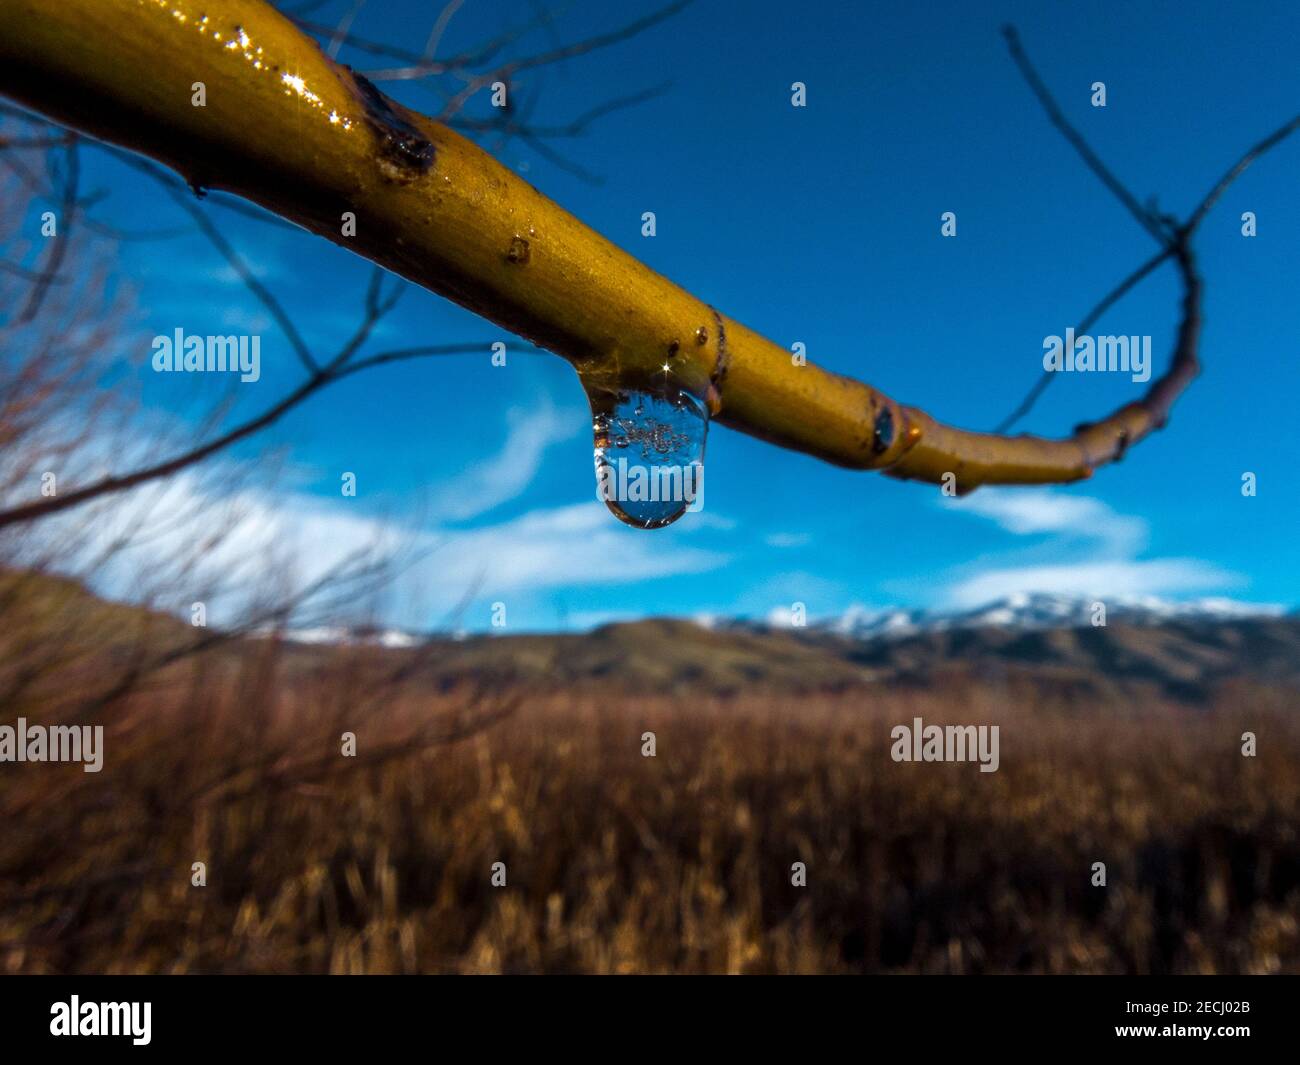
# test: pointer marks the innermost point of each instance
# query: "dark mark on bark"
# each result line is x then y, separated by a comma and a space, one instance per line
720, 367
404, 152
882, 434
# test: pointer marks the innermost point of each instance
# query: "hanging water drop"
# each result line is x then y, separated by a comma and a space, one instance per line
649, 454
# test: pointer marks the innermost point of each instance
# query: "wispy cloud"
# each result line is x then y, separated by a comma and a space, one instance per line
1038, 511
785, 539
1102, 544
1104, 579
245, 319
579, 544
225, 274
511, 470
292, 539
776, 596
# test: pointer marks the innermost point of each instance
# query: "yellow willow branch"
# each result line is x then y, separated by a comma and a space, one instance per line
308, 139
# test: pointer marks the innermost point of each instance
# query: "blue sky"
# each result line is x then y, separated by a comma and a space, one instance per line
818, 225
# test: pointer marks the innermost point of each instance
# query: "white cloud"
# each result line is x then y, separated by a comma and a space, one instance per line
579, 544
775, 596
1099, 579
787, 539
1032, 511
586, 620
225, 274
708, 519
246, 319
503, 477
1102, 544
272, 539
783, 617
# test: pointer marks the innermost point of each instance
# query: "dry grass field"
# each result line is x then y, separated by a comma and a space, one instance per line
617, 862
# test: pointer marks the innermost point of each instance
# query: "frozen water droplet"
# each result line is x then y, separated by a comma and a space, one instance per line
657, 474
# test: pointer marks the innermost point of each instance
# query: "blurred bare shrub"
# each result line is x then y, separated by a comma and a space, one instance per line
618, 863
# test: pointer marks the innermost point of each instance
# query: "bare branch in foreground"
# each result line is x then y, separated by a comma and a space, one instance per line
1174, 238
443, 214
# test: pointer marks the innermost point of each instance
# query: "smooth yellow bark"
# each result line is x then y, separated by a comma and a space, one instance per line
289, 129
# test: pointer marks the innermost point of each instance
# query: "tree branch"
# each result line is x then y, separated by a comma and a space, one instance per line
307, 139
1141, 214
59, 247
1167, 231
336, 370
1087, 322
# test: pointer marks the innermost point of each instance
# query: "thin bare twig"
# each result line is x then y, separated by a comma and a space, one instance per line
1058, 119
1237, 169
236, 261
556, 55
341, 31
1086, 323
1171, 235
59, 249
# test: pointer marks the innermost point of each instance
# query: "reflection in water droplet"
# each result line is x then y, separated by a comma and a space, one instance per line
649, 455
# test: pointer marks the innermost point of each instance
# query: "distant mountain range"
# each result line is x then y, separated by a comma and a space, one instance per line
1048, 645
1025, 612
1022, 649
1031, 612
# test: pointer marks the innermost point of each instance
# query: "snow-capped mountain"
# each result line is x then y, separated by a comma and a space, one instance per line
1022, 612
339, 634
1029, 611
1048, 642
